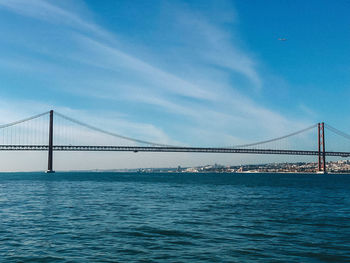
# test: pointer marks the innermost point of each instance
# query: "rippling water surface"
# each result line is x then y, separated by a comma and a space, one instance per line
113, 217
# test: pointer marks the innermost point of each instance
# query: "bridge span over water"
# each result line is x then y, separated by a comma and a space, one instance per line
33, 145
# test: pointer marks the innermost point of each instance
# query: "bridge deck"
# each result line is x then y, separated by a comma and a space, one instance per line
163, 149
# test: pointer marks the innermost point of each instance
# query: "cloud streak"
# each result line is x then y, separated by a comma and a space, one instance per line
218, 48
43, 10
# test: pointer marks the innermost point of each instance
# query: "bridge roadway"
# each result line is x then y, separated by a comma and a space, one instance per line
164, 149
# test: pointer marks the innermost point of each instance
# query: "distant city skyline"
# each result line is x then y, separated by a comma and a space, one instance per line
201, 73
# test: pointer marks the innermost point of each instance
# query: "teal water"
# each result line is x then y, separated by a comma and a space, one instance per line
113, 217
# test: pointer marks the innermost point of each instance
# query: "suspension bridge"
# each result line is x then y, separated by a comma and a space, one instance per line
40, 133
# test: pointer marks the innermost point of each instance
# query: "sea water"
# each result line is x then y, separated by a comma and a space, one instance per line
145, 217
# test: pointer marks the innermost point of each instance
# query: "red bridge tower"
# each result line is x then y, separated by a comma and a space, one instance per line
321, 149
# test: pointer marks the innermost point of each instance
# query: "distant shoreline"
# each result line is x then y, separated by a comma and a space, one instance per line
179, 173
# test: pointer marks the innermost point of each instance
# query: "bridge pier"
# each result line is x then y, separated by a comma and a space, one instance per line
50, 154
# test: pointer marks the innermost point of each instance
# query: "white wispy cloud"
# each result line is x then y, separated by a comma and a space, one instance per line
102, 55
218, 47
44, 10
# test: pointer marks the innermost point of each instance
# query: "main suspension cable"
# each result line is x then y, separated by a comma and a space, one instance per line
24, 120
340, 133
276, 139
112, 133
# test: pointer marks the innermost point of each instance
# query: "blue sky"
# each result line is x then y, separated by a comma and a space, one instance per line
202, 73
